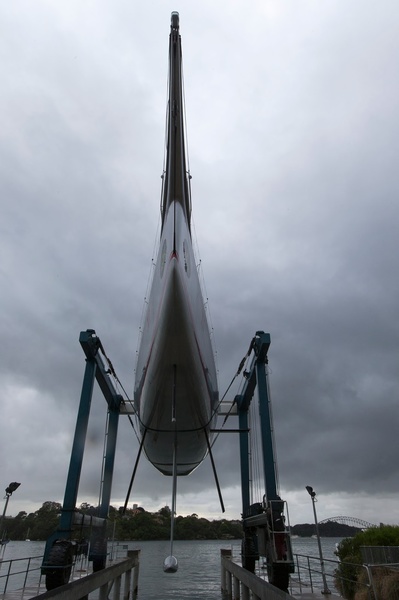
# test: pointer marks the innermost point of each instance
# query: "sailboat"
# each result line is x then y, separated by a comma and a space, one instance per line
176, 393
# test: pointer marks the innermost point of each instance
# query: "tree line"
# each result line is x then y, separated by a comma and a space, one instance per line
134, 524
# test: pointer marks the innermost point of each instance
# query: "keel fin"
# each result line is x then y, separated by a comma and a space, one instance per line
170, 564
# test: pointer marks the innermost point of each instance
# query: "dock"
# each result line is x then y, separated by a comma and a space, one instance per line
119, 579
239, 584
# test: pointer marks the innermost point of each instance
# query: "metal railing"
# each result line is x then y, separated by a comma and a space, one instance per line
19, 571
120, 579
239, 584
309, 575
379, 575
117, 550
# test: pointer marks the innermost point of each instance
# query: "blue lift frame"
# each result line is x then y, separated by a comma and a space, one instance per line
265, 532
256, 376
95, 370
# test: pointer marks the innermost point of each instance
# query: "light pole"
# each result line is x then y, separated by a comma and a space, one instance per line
14, 485
312, 494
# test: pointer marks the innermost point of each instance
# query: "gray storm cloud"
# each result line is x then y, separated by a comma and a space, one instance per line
293, 137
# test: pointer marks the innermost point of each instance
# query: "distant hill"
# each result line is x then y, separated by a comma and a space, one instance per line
329, 529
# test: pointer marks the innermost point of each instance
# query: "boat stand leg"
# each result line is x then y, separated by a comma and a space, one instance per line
214, 472
136, 464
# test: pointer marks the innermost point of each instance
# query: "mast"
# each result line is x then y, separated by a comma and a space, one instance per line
176, 185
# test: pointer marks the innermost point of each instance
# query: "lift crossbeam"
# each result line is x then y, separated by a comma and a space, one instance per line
91, 345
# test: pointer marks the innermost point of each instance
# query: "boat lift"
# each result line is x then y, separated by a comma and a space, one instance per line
266, 532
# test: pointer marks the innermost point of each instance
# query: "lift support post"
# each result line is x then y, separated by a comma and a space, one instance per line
60, 546
265, 532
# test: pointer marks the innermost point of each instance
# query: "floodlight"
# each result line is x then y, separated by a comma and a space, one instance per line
14, 485
310, 491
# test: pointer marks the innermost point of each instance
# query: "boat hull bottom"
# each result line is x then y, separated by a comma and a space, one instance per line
159, 451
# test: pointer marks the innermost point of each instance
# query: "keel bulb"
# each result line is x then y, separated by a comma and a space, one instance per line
170, 564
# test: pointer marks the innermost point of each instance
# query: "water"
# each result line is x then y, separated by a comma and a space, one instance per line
198, 576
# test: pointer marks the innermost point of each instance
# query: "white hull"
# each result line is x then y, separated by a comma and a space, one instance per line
176, 389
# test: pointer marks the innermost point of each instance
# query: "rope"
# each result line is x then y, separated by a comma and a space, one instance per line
240, 368
111, 371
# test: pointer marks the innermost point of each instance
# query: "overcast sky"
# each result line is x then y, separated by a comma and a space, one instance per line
293, 129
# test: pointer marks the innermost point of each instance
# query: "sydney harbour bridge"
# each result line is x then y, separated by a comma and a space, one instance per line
352, 521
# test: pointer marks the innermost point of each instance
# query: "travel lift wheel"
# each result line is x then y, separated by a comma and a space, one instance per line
248, 553
98, 554
60, 557
279, 576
